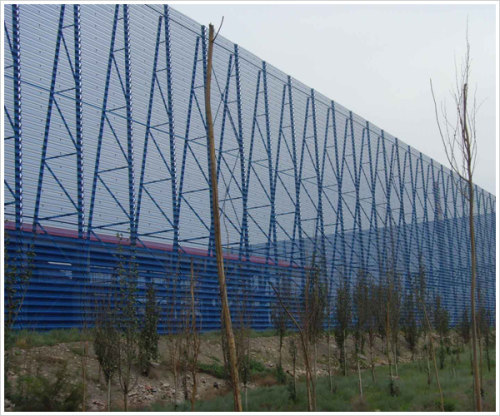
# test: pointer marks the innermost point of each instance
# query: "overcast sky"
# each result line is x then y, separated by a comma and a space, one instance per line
376, 60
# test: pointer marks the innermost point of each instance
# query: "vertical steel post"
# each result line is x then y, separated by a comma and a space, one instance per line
130, 141
244, 243
339, 167
297, 223
103, 119
225, 110
402, 217
425, 230
48, 118
148, 123
320, 226
271, 238
171, 128
357, 208
18, 136
79, 119
188, 125
211, 239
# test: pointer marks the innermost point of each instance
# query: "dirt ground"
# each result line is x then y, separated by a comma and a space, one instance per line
159, 385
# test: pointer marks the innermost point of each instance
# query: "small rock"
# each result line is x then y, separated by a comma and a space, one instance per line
8, 405
98, 404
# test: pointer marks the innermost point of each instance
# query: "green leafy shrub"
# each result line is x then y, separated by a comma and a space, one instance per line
214, 369
148, 339
50, 394
280, 375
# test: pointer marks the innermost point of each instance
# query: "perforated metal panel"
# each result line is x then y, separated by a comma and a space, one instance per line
105, 135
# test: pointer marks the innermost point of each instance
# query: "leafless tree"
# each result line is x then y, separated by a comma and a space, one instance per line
173, 339
301, 324
279, 318
191, 341
292, 349
128, 324
17, 276
242, 339
314, 311
428, 331
459, 136
149, 337
343, 315
106, 340
226, 314
372, 321
361, 300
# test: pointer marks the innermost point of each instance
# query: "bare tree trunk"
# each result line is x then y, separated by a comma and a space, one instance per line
246, 398
173, 361
468, 149
193, 391
487, 347
310, 388
344, 355
372, 362
470, 359
314, 367
84, 374
194, 340
387, 334
460, 147
330, 381
360, 381
395, 354
434, 358
280, 348
109, 394
428, 366
218, 245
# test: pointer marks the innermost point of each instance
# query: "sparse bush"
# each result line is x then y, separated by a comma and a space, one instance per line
410, 328
442, 326
47, 394
279, 317
106, 342
148, 339
464, 327
280, 375
449, 406
128, 324
292, 349
214, 369
394, 389
361, 306
343, 315
17, 276
292, 390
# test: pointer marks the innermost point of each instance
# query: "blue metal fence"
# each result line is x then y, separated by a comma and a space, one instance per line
105, 135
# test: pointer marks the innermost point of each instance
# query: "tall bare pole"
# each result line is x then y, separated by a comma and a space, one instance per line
226, 315
460, 145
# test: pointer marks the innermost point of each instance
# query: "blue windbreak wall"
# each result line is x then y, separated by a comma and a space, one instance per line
105, 135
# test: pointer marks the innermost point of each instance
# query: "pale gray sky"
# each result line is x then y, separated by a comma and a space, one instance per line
377, 60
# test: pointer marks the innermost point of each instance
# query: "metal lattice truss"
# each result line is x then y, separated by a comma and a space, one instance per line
109, 91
